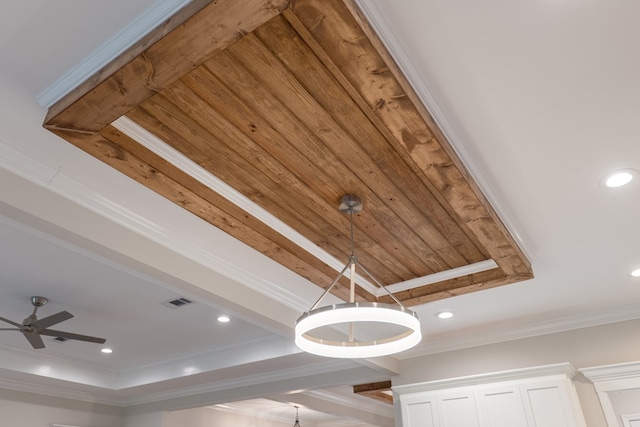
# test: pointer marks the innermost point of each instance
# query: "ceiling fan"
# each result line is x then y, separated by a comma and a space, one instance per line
32, 327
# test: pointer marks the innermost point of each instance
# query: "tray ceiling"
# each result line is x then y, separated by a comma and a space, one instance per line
293, 105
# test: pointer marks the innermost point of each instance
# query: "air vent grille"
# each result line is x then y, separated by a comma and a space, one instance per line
177, 303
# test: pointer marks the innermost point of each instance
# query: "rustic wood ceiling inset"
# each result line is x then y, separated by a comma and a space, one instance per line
295, 105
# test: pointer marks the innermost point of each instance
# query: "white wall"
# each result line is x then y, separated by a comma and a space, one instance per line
153, 419
20, 409
206, 417
594, 346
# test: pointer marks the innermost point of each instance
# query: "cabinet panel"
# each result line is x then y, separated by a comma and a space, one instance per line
419, 410
420, 414
458, 410
501, 407
547, 407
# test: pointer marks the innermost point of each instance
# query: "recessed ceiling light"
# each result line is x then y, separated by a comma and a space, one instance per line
444, 315
106, 350
619, 178
224, 319
635, 273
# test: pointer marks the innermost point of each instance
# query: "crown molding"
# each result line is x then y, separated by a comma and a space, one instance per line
565, 370
21, 360
565, 324
59, 392
614, 378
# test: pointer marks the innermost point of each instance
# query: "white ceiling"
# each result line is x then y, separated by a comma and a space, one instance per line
541, 100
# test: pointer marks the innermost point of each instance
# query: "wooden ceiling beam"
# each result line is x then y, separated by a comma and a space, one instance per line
379, 391
159, 60
294, 105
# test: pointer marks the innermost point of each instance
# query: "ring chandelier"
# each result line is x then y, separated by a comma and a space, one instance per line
352, 312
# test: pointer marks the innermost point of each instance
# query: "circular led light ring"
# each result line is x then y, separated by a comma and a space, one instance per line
358, 312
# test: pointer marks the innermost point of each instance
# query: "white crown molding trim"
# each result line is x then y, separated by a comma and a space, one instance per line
565, 370
17, 359
60, 392
511, 333
610, 379
453, 273
110, 50
618, 377
378, 22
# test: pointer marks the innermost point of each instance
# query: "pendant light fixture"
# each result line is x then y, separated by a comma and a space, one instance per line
297, 423
352, 313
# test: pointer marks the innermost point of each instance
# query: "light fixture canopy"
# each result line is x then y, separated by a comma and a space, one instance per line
352, 313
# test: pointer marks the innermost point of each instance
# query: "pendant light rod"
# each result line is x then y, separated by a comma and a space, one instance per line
348, 205
353, 312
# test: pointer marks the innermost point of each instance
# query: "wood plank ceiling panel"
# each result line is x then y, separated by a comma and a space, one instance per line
295, 107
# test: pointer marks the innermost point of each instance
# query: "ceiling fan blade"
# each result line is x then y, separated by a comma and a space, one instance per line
70, 336
11, 322
45, 322
34, 339
9, 329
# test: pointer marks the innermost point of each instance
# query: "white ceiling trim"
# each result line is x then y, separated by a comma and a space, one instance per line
439, 277
45, 365
564, 369
621, 376
476, 339
111, 49
61, 392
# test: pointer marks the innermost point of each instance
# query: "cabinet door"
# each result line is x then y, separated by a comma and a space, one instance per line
419, 411
458, 410
547, 404
501, 407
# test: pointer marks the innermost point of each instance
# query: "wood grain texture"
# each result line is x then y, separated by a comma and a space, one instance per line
379, 391
295, 105
212, 29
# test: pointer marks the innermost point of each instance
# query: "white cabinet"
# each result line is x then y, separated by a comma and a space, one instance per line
457, 409
500, 406
419, 412
534, 397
